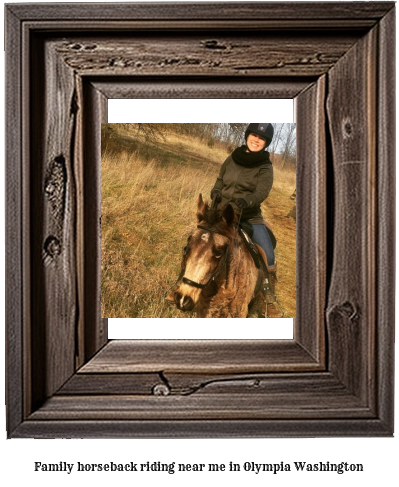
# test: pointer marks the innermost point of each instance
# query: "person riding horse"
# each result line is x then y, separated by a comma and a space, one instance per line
245, 179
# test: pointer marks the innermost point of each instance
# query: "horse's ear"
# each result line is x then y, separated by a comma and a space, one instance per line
201, 208
228, 215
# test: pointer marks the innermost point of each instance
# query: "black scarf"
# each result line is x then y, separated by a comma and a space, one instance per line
250, 159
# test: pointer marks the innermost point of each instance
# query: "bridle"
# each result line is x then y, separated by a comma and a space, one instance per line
218, 270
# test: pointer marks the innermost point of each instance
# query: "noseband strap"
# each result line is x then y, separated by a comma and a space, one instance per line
194, 284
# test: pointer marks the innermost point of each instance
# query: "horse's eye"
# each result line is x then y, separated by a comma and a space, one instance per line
218, 253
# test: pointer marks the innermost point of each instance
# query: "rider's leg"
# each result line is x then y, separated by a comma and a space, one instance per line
262, 238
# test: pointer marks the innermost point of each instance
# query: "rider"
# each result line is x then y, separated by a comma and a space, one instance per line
245, 179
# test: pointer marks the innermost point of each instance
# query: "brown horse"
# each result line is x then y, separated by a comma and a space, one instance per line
219, 277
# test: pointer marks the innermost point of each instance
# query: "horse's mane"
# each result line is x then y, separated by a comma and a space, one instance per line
212, 216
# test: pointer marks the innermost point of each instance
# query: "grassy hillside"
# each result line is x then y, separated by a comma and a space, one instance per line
148, 207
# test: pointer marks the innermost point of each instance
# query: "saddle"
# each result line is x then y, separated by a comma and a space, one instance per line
256, 251
262, 255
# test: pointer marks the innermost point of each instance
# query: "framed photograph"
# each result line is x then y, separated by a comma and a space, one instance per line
65, 377
151, 178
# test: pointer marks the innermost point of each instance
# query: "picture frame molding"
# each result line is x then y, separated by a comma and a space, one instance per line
335, 378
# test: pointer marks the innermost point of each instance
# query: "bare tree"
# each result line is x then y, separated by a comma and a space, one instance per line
236, 133
289, 147
278, 132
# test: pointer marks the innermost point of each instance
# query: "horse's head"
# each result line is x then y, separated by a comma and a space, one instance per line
205, 255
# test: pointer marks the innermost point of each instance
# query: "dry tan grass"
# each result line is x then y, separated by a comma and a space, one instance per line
196, 146
148, 208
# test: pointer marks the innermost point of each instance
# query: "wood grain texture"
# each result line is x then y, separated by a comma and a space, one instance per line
15, 258
208, 407
250, 428
385, 224
244, 54
65, 61
137, 87
200, 356
112, 384
358, 14
185, 384
255, 397
95, 329
352, 125
53, 247
311, 210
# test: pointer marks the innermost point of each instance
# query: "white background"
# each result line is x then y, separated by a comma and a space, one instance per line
379, 455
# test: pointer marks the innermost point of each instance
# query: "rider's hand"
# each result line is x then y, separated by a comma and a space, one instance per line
216, 194
241, 203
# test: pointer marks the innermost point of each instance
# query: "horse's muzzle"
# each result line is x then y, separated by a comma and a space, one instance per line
184, 303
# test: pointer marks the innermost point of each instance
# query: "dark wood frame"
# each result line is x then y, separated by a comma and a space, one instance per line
64, 379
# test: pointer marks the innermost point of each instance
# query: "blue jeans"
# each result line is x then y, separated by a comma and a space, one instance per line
262, 238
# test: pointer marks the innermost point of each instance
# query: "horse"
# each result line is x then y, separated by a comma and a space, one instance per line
219, 277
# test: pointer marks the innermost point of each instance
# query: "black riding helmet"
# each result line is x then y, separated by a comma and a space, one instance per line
264, 130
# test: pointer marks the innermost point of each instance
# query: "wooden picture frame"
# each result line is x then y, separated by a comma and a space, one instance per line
335, 378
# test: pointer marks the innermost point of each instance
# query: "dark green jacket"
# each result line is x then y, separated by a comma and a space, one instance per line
252, 184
